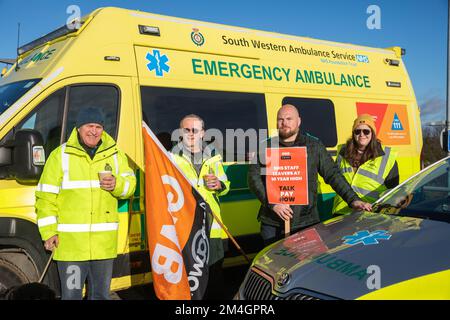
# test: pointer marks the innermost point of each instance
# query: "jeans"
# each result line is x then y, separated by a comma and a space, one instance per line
73, 275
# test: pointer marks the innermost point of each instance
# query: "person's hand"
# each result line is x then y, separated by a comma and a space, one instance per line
212, 182
360, 205
51, 243
108, 183
284, 211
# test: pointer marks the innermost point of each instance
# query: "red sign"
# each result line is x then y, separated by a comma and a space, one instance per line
287, 176
305, 244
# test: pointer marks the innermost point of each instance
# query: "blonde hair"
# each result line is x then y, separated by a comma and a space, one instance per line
192, 116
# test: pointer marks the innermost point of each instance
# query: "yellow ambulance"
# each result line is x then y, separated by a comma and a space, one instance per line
139, 67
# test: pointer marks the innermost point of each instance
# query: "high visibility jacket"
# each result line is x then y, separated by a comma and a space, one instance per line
369, 181
71, 204
212, 162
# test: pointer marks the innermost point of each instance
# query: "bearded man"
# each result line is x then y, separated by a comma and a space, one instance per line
273, 216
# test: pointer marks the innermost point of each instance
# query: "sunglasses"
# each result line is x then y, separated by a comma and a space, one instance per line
193, 130
357, 132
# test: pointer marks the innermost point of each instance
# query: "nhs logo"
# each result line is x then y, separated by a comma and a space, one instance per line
362, 58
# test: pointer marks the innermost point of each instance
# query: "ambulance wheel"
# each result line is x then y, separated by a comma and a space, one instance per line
10, 276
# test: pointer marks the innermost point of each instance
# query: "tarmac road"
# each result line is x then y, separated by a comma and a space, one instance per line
233, 279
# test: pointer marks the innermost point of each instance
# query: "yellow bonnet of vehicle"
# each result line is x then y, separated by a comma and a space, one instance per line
435, 286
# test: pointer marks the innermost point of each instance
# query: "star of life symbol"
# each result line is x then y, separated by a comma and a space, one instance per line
366, 238
158, 63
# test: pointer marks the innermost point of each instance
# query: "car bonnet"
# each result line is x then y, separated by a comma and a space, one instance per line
343, 257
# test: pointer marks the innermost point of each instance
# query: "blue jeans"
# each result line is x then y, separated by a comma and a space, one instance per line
73, 275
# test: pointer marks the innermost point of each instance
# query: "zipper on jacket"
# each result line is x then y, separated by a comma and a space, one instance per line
192, 167
201, 168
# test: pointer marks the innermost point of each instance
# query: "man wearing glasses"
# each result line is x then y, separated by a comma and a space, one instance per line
202, 165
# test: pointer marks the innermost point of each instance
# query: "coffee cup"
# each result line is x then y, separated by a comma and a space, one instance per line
104, 174
207, 179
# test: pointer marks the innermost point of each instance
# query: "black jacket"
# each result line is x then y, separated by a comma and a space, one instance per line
319, 162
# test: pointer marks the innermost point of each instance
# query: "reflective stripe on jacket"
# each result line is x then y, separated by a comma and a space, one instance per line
214, 161
71, 204
368, 181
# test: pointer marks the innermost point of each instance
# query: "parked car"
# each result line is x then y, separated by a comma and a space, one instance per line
400, 250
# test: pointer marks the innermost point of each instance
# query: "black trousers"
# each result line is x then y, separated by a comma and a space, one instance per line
271, 234
216, 282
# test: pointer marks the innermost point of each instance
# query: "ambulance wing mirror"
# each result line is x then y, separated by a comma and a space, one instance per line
23, 158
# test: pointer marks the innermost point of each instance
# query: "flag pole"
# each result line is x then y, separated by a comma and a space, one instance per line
231, 237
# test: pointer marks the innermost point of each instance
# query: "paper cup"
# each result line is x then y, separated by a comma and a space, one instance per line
104, 174
206, 179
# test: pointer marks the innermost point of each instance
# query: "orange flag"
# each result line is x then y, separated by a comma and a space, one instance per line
177, 226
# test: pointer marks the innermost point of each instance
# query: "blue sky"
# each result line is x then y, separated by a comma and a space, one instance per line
417, 25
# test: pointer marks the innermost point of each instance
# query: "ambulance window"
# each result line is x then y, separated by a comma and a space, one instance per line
47, 119
163, 108
104, 97
318, 118
11, 92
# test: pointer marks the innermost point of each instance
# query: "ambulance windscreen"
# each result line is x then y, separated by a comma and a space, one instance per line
11, 92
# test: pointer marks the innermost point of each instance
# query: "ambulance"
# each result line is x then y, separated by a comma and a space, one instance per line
138, 67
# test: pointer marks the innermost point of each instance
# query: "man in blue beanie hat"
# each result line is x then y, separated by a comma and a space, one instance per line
76, 206
90, 115
90, 123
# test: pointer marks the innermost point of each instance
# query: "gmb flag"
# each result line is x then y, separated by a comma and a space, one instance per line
177, 226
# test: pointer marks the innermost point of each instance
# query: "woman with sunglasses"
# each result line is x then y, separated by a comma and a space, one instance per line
368, 166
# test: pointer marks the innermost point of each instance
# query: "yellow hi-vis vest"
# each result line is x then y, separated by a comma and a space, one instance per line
71, 204
367, 181
210, 196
